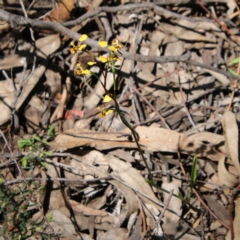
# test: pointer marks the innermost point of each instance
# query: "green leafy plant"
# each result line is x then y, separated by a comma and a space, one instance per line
17, 206
193, 177
18, 202
230, 64
36, 148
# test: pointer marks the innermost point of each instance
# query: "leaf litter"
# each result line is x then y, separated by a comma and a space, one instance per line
176, 89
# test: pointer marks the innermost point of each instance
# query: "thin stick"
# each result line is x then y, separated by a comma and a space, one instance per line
164, 209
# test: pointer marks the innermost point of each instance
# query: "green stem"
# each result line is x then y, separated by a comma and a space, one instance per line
125, 122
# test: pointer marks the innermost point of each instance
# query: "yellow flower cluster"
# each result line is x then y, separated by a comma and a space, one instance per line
80, 47
104, 112
114, 47
111, 58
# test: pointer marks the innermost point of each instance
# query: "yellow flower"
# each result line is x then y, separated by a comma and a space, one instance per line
104, 112
103, 59
107, 98
102, 44
80, 47
81, 70
83, 38
91, 63
108, 59
114, 47
73, 49
116, 44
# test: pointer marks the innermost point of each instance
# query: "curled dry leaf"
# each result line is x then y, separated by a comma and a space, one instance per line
225, 176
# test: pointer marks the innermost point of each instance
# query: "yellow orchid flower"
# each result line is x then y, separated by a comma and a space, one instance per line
104, 112
81, 70
80, 47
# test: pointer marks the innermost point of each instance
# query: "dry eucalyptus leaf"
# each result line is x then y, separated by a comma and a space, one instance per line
230, 128
61, 224
48, 45
116, 234
225, 176
151, 139
61, 12
132, 177
236, 222
56, 200
208, 187
219, 77
197, 26
218, 209
12, 61
6, 94
84, 210
184, 34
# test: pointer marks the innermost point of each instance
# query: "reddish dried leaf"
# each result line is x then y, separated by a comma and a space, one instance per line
61, 12
72, 114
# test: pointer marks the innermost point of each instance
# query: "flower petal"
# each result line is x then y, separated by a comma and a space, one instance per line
107, 98
109, 111
72, 50
79, 72
91, 63
83, 37
81, 47
103, 59
113, 49
102, 43
86, 71
115, 42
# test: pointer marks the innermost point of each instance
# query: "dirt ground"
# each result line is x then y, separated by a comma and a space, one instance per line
119, 119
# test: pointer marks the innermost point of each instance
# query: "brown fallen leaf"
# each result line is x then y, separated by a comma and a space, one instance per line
61, 224
225, 175
230, 128
78, 207
151, 139
61, 12
218, 209
116, 234
236, 222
